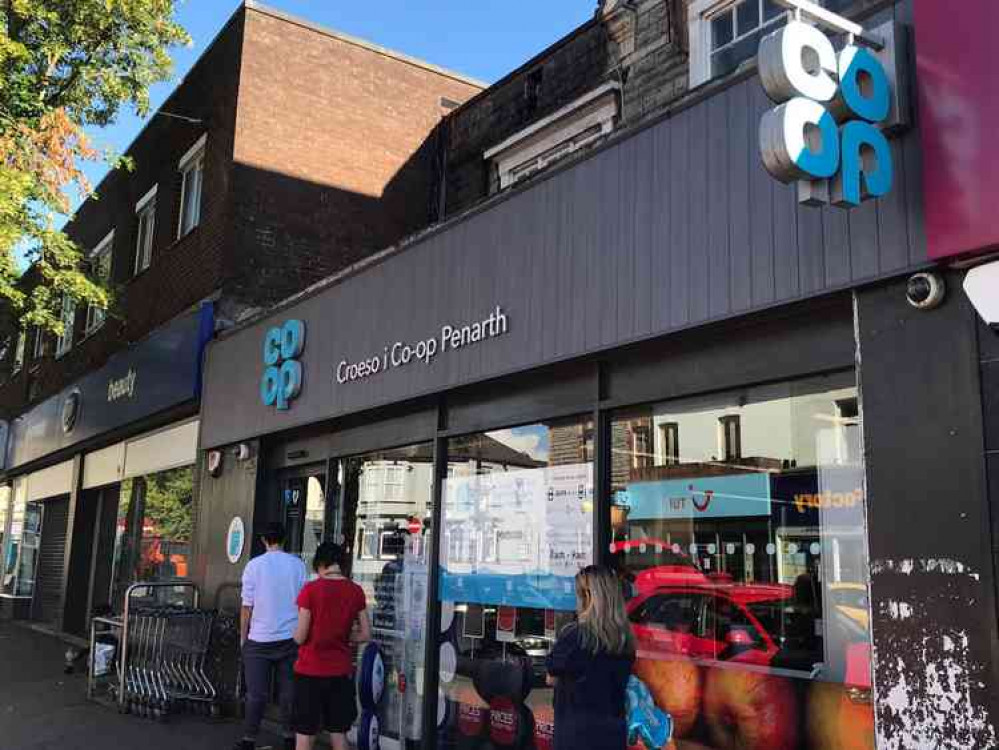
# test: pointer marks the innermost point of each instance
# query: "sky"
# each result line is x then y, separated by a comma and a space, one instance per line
484, 39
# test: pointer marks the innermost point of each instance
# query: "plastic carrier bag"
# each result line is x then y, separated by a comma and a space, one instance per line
647, 723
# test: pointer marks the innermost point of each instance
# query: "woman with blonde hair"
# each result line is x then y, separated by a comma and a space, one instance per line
590, 665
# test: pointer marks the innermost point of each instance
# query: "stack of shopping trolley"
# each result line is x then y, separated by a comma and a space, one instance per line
164, 666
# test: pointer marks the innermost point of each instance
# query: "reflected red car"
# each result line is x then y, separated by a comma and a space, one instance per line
679, 611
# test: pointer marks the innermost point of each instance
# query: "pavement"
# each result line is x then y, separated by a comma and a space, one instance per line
42, 708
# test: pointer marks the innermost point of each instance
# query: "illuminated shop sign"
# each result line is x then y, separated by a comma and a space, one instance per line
826, 132
450, 338
282, 379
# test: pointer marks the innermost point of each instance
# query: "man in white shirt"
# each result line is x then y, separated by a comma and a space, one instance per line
268, 618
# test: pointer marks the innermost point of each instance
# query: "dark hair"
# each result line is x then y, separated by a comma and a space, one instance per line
273, 533
328, 554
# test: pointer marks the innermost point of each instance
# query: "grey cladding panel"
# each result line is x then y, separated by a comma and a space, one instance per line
671, 227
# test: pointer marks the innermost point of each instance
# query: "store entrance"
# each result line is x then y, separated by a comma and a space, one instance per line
305, 511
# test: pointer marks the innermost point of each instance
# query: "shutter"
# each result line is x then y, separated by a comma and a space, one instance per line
51, 560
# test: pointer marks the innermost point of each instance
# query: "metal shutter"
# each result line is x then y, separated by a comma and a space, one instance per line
51, 560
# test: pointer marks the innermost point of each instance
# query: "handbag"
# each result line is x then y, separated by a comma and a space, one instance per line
647, 723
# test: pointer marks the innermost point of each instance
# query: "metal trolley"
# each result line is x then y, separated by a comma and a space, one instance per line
162, 653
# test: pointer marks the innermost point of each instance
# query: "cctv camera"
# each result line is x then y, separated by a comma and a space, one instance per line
925, 291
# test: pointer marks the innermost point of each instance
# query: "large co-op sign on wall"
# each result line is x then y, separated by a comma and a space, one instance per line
834, 106
283, 346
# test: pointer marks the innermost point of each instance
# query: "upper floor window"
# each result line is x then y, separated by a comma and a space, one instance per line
726, 33
100, 271
577, 125
145, 214
192, 170
40, 344
730, 437
65, 342
19, 351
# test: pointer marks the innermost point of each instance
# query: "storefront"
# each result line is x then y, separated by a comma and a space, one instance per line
660, 360
100, 478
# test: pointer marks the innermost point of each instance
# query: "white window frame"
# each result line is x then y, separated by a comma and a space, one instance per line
530, 150
65, 342
193, 159
20, 349
95, 315
144, 243
699, 16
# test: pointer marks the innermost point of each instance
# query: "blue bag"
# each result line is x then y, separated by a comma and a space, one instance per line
646, 721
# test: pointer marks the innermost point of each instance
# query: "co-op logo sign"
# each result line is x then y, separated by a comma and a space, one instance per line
282, 379
825, 130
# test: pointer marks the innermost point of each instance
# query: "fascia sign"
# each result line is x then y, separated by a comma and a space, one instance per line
282, 379
827, 132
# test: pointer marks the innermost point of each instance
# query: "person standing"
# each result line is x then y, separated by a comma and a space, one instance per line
271, 584
590, 665
331, 614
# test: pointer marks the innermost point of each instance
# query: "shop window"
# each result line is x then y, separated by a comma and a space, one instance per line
153, 531
746, 566
512, 542
383, 495
725, 34
573, 127
21, 544
192, 172
100, 271
145, 216
730, 437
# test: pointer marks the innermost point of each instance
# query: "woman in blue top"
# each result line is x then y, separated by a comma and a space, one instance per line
590, 665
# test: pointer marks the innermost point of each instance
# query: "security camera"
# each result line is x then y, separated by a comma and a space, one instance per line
925, 291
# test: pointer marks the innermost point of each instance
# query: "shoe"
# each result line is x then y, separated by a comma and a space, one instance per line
244, 745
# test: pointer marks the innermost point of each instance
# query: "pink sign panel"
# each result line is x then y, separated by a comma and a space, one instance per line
958, 90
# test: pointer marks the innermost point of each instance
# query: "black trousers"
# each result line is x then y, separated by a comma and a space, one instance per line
263, 662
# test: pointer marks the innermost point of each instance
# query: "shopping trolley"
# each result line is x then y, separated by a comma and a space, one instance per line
163, 654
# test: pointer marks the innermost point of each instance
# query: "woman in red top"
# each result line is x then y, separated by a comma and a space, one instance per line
329, 608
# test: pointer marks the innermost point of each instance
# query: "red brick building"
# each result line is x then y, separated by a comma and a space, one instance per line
288, 153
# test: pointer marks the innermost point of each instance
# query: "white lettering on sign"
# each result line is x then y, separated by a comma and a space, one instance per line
123, 387
402, 353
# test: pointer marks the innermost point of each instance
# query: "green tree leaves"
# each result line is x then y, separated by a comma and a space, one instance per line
65, 65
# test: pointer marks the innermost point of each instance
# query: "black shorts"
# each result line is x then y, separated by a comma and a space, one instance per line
323, 703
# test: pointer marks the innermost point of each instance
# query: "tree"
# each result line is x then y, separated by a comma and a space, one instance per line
65, 65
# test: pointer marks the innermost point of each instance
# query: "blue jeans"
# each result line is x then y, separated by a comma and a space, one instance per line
263, 662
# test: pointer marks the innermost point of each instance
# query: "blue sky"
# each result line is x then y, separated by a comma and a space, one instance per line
484, 39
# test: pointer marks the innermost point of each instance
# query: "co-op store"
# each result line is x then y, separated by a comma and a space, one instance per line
659, 359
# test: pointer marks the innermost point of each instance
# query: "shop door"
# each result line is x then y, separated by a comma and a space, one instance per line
304, 509
51, 562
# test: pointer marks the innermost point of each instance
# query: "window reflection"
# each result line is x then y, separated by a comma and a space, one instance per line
517, 526
153, 530
740, 538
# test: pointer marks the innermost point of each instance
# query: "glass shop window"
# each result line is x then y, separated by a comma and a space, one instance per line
153, 530
383, 517
21, 545
517, 526
745, 562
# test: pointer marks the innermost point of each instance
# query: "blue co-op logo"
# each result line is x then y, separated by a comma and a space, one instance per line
282, 379
824, 130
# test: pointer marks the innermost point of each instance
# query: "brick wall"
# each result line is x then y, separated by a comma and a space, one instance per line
637, 44
335, 154
183, 271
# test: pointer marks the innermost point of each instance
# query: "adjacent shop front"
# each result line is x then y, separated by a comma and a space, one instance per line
99, 484
657, 359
